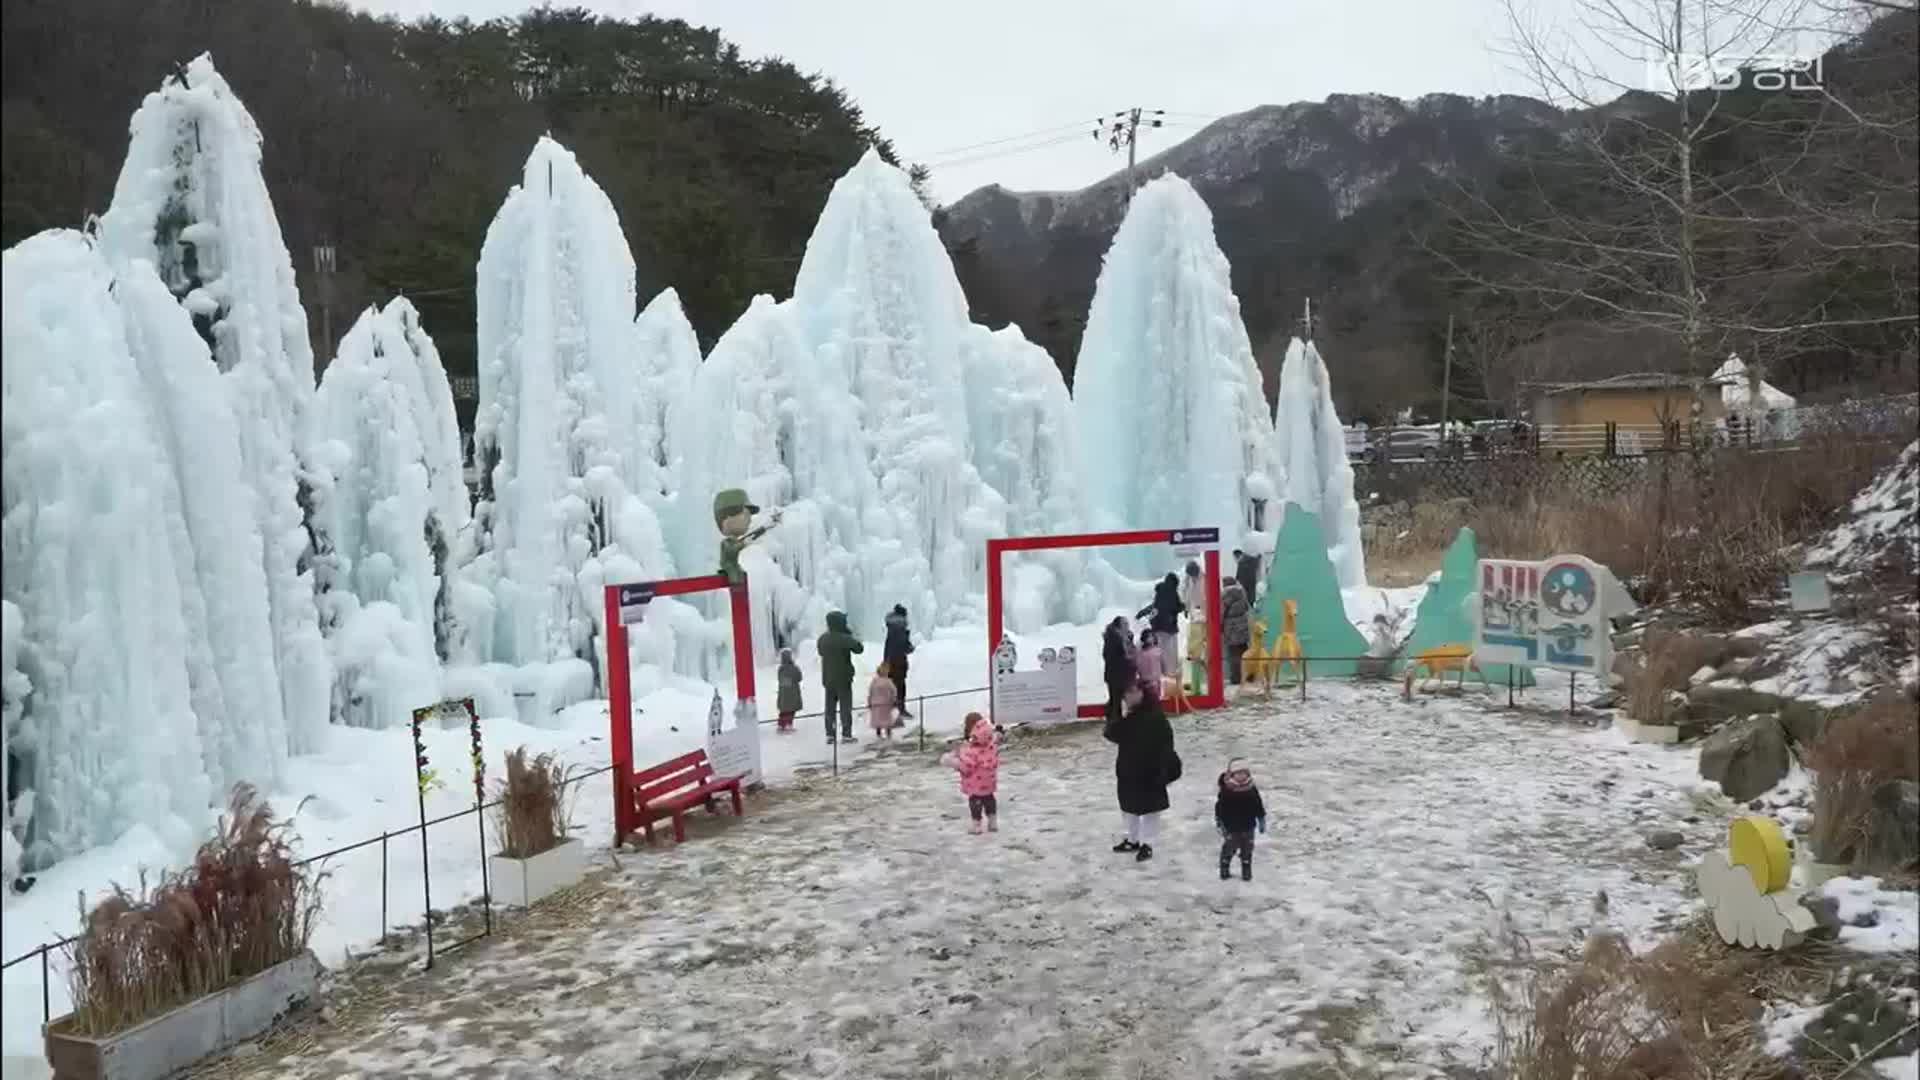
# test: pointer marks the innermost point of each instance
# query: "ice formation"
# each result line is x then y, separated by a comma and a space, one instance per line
1313, 455
669, 357
558, 397
1172, 421
1026, 451
96, 623
191, 200
385, 415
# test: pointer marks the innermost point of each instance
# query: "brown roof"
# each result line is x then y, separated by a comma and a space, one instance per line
1635, 381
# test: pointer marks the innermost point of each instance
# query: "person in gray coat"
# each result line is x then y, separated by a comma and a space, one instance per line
1235, 633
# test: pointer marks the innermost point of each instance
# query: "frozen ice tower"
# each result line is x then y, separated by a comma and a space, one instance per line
1172, 421
191, 200
559, 395
885, 320
92, 571
385, 413
669, 357
1313, 451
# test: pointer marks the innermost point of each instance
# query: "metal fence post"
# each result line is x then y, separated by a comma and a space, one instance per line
383, 886
920, 714
486, 887
46, 989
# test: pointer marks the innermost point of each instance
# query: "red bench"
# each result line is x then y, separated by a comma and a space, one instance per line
671, 789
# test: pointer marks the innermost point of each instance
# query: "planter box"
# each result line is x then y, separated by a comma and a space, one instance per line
525, 882
197, 1030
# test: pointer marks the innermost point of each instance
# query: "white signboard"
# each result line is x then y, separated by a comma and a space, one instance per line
1552, 613
736, 751
1045, 695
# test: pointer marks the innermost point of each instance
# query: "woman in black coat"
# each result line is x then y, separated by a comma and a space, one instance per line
1117, 662
1144, 767
1163, 615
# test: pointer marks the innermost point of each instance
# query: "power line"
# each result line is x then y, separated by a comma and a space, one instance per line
1058, 140
1074, 126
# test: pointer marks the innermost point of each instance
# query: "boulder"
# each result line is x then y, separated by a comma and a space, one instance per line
1731, 697
1665, 840
1893, 827
1746, 758
1804, 723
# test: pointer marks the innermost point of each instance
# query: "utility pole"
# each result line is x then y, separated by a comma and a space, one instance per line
1122, 129
1446, 380
323, 265
1306, 321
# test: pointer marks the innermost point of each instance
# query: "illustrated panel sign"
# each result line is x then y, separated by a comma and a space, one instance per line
1045, 695
734, 751
1187, 542
1552, 613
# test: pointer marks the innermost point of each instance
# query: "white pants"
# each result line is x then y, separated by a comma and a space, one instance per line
1141, 828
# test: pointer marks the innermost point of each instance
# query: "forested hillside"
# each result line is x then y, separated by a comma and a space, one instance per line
397, 143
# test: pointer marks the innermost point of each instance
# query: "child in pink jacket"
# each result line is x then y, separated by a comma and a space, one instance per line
882, 696
978, 762
1151, 664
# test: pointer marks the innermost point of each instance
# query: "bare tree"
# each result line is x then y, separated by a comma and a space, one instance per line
1655, 212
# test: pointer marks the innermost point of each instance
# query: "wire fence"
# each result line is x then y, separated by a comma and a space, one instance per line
1290, 678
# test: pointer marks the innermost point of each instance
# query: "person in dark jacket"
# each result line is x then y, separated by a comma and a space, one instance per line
1237, 812
898, 647
787, 700
1246, 570
1143, 768
837, 648
1163, 615
1235, 632
1116, 658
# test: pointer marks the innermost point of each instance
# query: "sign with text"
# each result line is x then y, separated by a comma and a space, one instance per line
1550, 613
736, 750
1044, 695
633, 603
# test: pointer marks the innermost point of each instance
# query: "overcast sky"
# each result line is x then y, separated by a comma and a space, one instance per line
1029, 77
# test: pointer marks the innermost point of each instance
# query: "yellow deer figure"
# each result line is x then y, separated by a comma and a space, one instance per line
1287, 650
1438, 661
1254, 664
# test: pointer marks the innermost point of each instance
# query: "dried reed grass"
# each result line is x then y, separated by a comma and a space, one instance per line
1859, 750
242, 907
535, 809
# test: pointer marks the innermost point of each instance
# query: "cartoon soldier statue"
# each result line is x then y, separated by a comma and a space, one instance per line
733, 513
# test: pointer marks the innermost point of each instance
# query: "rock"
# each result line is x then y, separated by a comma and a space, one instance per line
1826, 915
1804, 723
1703, 676
1608, 700
1893, 826
1731, 697
1627, 639
963, 998
1757, 805
245, 1050
1746, 758
1738, 667
1665, 840
1803, 826
941, 953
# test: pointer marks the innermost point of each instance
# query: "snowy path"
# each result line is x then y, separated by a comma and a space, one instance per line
855, 930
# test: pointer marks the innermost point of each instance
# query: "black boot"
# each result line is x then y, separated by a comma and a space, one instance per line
1246, 870
1226, 871
1145, 853
1126, 846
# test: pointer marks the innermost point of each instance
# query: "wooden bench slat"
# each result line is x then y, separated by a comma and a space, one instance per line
670, 789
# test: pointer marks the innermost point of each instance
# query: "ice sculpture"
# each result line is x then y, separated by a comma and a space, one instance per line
558, 395
191, 200
1172, 421
1314, 459
108, 738
385, 415
669, 358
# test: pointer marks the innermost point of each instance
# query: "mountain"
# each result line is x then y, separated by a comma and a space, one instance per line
1306, 198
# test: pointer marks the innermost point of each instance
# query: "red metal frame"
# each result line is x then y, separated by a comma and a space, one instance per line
1215, 696
620, 684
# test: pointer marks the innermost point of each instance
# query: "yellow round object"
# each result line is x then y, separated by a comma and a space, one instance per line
1757, 844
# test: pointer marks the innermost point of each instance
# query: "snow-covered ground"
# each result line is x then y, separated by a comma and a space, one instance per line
855, 929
